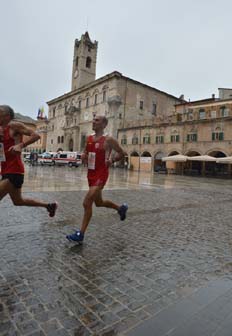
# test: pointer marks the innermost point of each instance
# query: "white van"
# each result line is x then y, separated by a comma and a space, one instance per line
72, 159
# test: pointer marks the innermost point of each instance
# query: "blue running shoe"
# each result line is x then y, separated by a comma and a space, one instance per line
122, 211
76, 237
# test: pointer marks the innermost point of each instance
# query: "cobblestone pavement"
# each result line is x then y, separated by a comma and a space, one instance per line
176, 240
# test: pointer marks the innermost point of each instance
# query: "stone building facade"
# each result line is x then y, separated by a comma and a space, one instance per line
194, 128
124, 101
148, 123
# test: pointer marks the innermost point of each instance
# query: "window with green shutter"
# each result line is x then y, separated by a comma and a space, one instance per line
218, 136
175, 138
202, 114
224, 111
192, 137
147, 139
159, 139
135, 140
124, 140
221, 136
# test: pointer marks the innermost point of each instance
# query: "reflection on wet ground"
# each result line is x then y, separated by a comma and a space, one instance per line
169, 264
70, 179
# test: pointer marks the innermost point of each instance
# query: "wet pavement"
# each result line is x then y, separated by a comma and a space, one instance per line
166, 270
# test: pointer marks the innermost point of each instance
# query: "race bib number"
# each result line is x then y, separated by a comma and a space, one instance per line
2, 153
91, 160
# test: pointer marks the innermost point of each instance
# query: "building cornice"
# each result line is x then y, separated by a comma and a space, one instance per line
114, 74
86, 87
179, 123
205, 102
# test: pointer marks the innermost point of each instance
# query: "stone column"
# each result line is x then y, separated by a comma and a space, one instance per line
76, 139
203, 168
229, 169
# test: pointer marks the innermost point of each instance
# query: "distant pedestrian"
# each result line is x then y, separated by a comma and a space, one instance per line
31, 158
98, 155
35, 158
12, 168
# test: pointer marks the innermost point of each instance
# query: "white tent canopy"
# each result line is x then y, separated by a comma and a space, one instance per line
227, 159
202, 158
175, 158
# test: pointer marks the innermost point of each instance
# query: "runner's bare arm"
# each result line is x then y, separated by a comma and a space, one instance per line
20, 129
114, 145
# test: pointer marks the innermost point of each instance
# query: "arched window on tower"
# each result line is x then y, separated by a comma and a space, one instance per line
88, 62
77, 59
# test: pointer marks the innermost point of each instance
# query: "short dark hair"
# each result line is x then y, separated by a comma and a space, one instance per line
8, 110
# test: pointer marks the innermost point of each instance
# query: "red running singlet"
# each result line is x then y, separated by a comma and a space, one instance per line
13, 163
98, 171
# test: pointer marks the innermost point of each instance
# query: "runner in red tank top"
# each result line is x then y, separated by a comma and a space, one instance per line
98, 155
12, 168
98, 170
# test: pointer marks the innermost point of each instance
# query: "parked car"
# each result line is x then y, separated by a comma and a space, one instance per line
26, 158
46, 159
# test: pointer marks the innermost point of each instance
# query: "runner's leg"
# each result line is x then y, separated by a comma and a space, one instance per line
88, 206
4, 188
19, 200
99, 202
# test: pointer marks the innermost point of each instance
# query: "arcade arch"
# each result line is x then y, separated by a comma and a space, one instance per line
146, 161
158, 163
134, 161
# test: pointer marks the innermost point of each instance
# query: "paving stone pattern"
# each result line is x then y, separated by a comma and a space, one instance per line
174, 242
208, 311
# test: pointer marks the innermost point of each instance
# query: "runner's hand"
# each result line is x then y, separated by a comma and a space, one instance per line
17, 149
84, 157
109, 162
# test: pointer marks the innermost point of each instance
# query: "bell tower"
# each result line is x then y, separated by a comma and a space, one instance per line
84, 61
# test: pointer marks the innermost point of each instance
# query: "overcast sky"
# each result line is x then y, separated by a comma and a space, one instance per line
178, 46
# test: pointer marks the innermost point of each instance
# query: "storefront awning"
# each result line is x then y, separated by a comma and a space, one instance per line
227, 159
175, 158
202, 158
